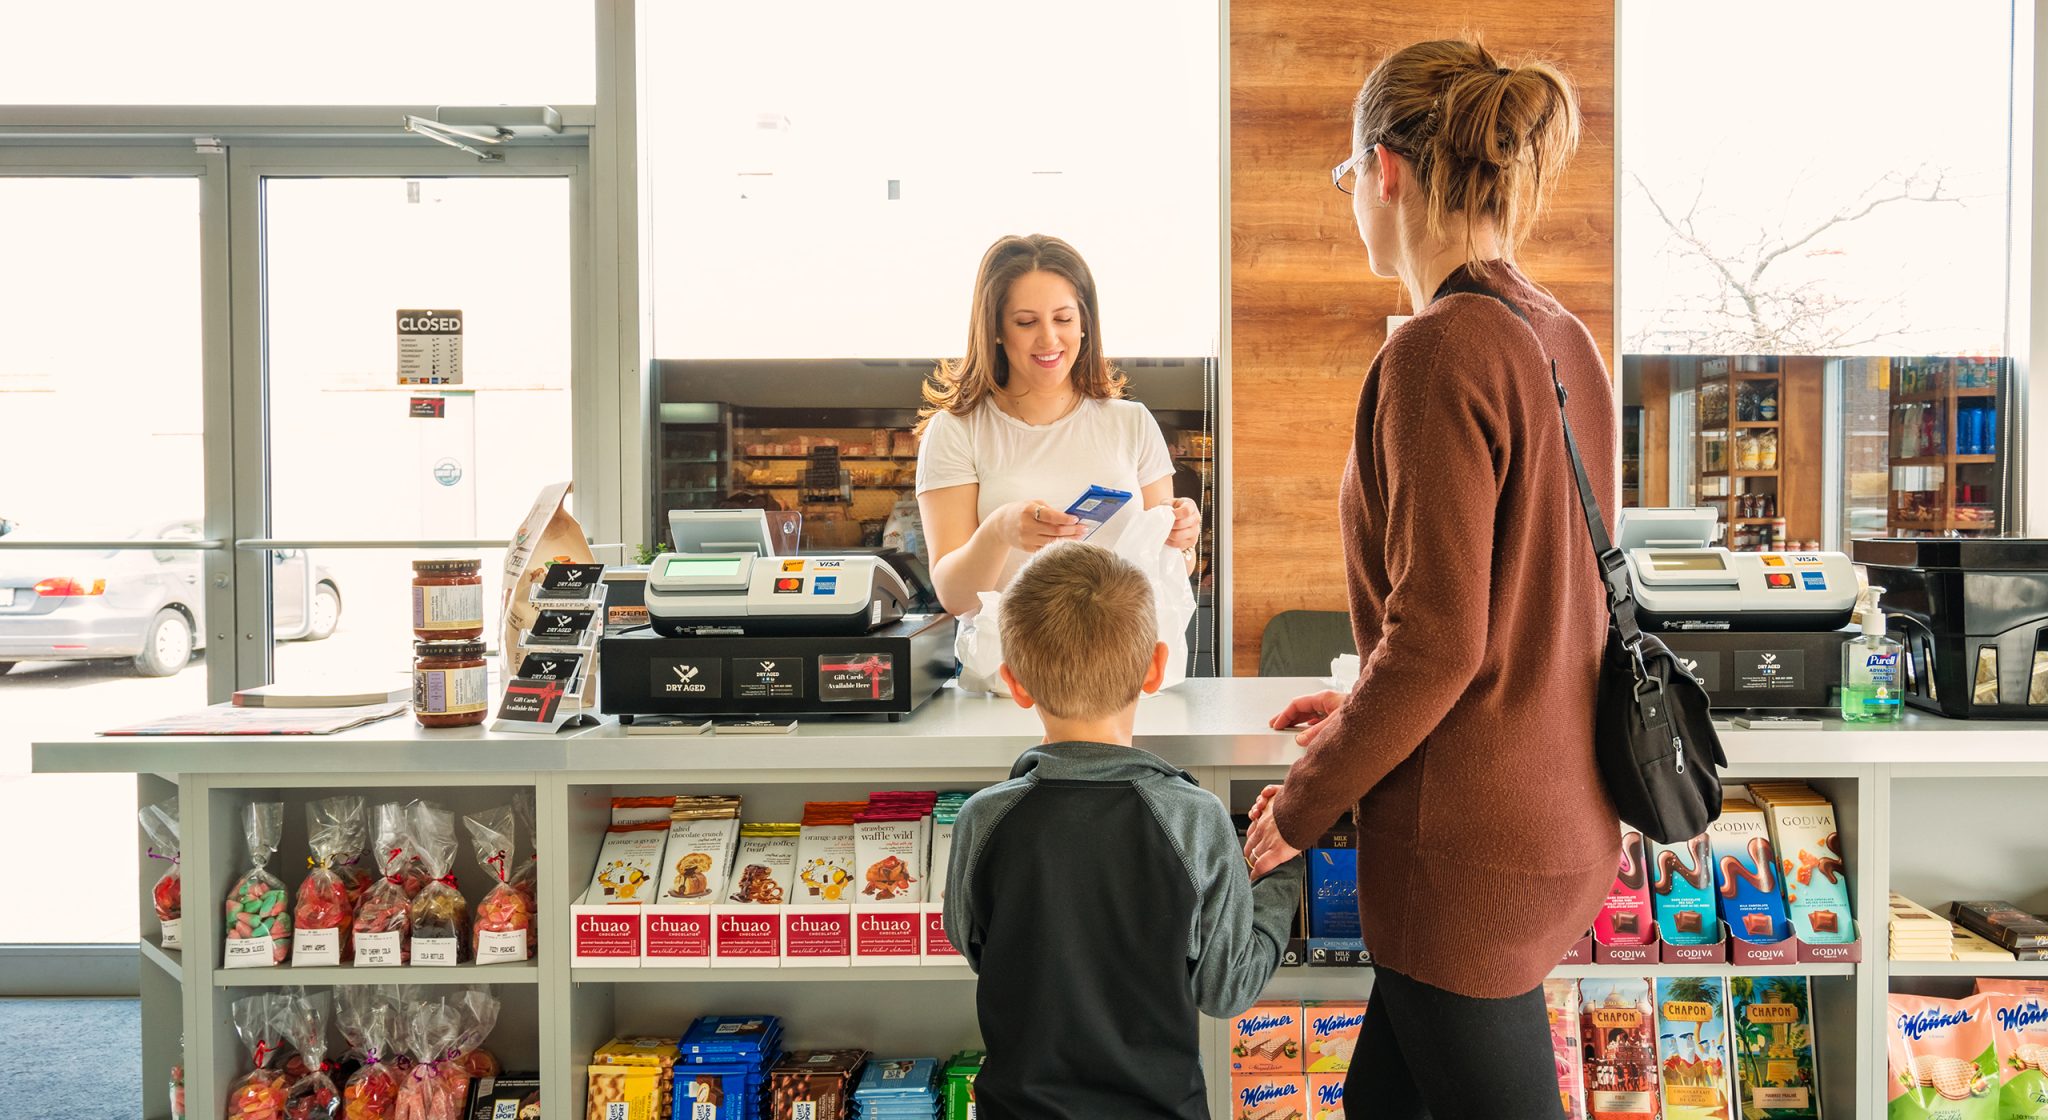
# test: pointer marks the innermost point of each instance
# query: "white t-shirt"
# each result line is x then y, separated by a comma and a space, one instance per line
1111, 443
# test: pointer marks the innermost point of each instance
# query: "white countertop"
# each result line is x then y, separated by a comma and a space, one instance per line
1206, 722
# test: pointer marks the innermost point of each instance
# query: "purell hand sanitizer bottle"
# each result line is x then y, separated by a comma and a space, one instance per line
1872, 670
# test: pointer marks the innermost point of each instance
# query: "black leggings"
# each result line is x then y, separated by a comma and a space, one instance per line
1428, 1054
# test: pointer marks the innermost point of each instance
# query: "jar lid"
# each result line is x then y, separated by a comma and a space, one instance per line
464, 650
448, 567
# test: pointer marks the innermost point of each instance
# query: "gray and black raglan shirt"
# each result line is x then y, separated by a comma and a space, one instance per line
1102, 897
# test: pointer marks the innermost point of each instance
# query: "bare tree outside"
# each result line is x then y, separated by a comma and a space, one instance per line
1744, 300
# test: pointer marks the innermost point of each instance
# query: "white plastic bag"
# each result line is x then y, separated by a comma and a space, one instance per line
1143, 543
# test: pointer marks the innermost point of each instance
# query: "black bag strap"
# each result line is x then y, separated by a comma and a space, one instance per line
1621, 606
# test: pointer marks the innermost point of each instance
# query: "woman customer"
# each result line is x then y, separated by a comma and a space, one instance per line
1486, 841
1031, 418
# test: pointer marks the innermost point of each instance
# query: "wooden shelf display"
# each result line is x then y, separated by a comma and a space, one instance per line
1740, 434
1942, 449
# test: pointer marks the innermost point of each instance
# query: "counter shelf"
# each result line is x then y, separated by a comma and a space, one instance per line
1931, 805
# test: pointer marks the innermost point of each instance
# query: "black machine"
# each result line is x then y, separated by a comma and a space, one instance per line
1973, 615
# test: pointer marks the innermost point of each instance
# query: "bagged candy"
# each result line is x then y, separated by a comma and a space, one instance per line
160, 823
370, 1020
355, 865
504, 917
476, 1013
440, 916
324, 917
302, 1019
258, 1094
526, 874
383, 920
259, 922
433, 1029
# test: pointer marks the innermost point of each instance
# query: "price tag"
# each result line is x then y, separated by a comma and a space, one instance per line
251, 952
380, 950
172, 938
496, 947
804, 1110
316, 947
618, 1110
434, 951
703, 1110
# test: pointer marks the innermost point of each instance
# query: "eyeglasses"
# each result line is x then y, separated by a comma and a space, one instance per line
1343, 170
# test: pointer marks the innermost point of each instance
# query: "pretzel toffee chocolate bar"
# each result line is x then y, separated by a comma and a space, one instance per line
766, 865
1682, 892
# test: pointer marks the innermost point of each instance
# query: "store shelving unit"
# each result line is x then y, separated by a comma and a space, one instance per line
1731, 413
1937, 489
1938, 809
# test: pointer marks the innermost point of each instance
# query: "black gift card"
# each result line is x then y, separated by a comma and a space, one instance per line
550, 666
570, 581
561, 627
531, 701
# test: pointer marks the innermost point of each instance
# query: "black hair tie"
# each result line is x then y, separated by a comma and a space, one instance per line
1503, 71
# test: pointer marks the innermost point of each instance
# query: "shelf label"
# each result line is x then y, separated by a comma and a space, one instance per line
172, 937
892, 935
679, 936
380, 950
608, 934
437, 952
312, 947
936, 944
251, 952
500, 946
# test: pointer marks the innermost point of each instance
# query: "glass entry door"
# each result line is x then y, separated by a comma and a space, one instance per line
418, 342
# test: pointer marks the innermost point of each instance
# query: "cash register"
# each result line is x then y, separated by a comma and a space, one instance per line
1760, 629
734, 629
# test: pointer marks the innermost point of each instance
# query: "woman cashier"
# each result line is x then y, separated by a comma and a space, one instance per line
1022, 427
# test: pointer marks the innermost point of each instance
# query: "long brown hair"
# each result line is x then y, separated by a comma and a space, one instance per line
961, 387
1486, 139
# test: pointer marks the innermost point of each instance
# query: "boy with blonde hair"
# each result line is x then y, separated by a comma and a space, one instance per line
1100, 894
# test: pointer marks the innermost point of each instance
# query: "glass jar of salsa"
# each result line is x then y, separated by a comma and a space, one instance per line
450, 685
447, 600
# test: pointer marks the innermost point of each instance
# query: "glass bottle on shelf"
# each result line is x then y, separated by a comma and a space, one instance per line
1768, 410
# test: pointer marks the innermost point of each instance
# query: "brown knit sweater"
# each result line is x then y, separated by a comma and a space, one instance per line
1486, 840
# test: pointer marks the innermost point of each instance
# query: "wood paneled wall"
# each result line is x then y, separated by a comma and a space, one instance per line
1307, 315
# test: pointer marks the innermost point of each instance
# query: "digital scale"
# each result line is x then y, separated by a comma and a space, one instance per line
1759, 629
735, 630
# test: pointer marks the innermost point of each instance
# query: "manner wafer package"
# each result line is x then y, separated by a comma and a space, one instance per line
2018, 1010
1942, 1058
1619, 1031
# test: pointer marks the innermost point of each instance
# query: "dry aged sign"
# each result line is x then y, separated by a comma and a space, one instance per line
429, 347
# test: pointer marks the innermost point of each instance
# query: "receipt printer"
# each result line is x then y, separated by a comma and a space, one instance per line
1759, 629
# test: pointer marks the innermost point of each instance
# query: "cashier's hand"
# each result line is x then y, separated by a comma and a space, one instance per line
1264, 850
1308, 713
1031, 526
1187, 524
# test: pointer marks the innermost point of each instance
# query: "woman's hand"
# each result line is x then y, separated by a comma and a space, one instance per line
1308, 713
1264, 849
1030, 526
1187, 524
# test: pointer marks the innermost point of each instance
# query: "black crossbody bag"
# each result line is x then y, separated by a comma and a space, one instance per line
1652, 736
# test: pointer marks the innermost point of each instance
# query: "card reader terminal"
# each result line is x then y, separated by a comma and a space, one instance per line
1682, 582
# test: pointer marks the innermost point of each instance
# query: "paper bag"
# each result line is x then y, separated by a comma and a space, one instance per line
549, 535
1143, 542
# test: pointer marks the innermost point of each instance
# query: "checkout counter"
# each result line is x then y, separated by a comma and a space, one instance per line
734, 629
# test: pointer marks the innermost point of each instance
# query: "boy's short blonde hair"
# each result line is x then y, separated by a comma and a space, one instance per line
1078, 629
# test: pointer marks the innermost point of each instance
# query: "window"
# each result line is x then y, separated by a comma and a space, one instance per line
251, 52
1814, 254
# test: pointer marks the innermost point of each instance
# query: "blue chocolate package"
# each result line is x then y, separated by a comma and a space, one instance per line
731, 1035
1333, 893
1682, 892
1746, 873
